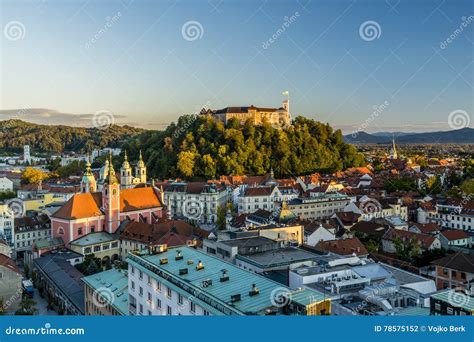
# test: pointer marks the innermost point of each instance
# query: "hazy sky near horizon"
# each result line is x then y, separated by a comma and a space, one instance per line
67, 60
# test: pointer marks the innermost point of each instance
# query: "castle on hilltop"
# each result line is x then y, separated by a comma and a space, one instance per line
277, 117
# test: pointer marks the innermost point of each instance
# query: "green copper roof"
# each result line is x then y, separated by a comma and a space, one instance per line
240, 281
113, 282
458, 299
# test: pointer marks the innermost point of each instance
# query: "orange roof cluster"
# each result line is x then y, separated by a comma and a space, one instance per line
86, 205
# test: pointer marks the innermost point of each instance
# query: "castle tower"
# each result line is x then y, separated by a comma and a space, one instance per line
126, 177
111, 200
88, 183
140, 170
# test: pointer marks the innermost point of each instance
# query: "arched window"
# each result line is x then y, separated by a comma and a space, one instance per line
60, 231
114, 192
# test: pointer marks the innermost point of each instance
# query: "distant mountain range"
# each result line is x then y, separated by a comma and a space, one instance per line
460, 136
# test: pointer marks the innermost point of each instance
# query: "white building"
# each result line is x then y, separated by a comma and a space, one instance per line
7, 217
5, 184
184, 281
252, 199
26, 154
318, 206
195, 201
458, 215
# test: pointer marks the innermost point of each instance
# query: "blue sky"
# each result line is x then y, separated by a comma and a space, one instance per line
74, 58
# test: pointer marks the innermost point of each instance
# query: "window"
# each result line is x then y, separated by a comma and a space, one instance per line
140, 274
168, 292
206, 313
158, 286
158, 303
79, 230
60, 231
180, 299
193, 307
140, 291
141, 309
96, 248
133, 285
169, 311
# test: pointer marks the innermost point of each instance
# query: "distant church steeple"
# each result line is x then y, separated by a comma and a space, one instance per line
393, 150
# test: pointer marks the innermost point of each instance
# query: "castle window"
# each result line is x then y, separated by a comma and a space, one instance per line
60, 231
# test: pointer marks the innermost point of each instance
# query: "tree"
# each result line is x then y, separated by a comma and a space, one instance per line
186, 163
2, 306
26, 307
467, 186
208, 166
90, 265
26, 270
33, 176
407, 250
221, 222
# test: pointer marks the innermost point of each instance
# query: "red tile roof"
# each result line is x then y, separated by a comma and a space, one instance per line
88, 204
425, 240
455, 234
9, 263
343, 247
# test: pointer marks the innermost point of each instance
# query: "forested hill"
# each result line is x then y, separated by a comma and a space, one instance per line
45, 138
199, 147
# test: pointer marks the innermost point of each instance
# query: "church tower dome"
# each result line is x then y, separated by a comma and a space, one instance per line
140, 170
88, 183
126, 178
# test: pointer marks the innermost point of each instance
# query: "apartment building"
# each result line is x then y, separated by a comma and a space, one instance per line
185, 281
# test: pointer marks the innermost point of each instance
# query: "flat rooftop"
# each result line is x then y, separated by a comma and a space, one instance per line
94, 238
248, 242
117, 282
462, 300
279, 257
239, 283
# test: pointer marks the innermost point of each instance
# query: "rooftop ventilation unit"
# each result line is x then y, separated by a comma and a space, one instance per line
199, 266
235, 298
225, 276
183, 271
206, 283
255, 291
190, 261
178, 256
163, 261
